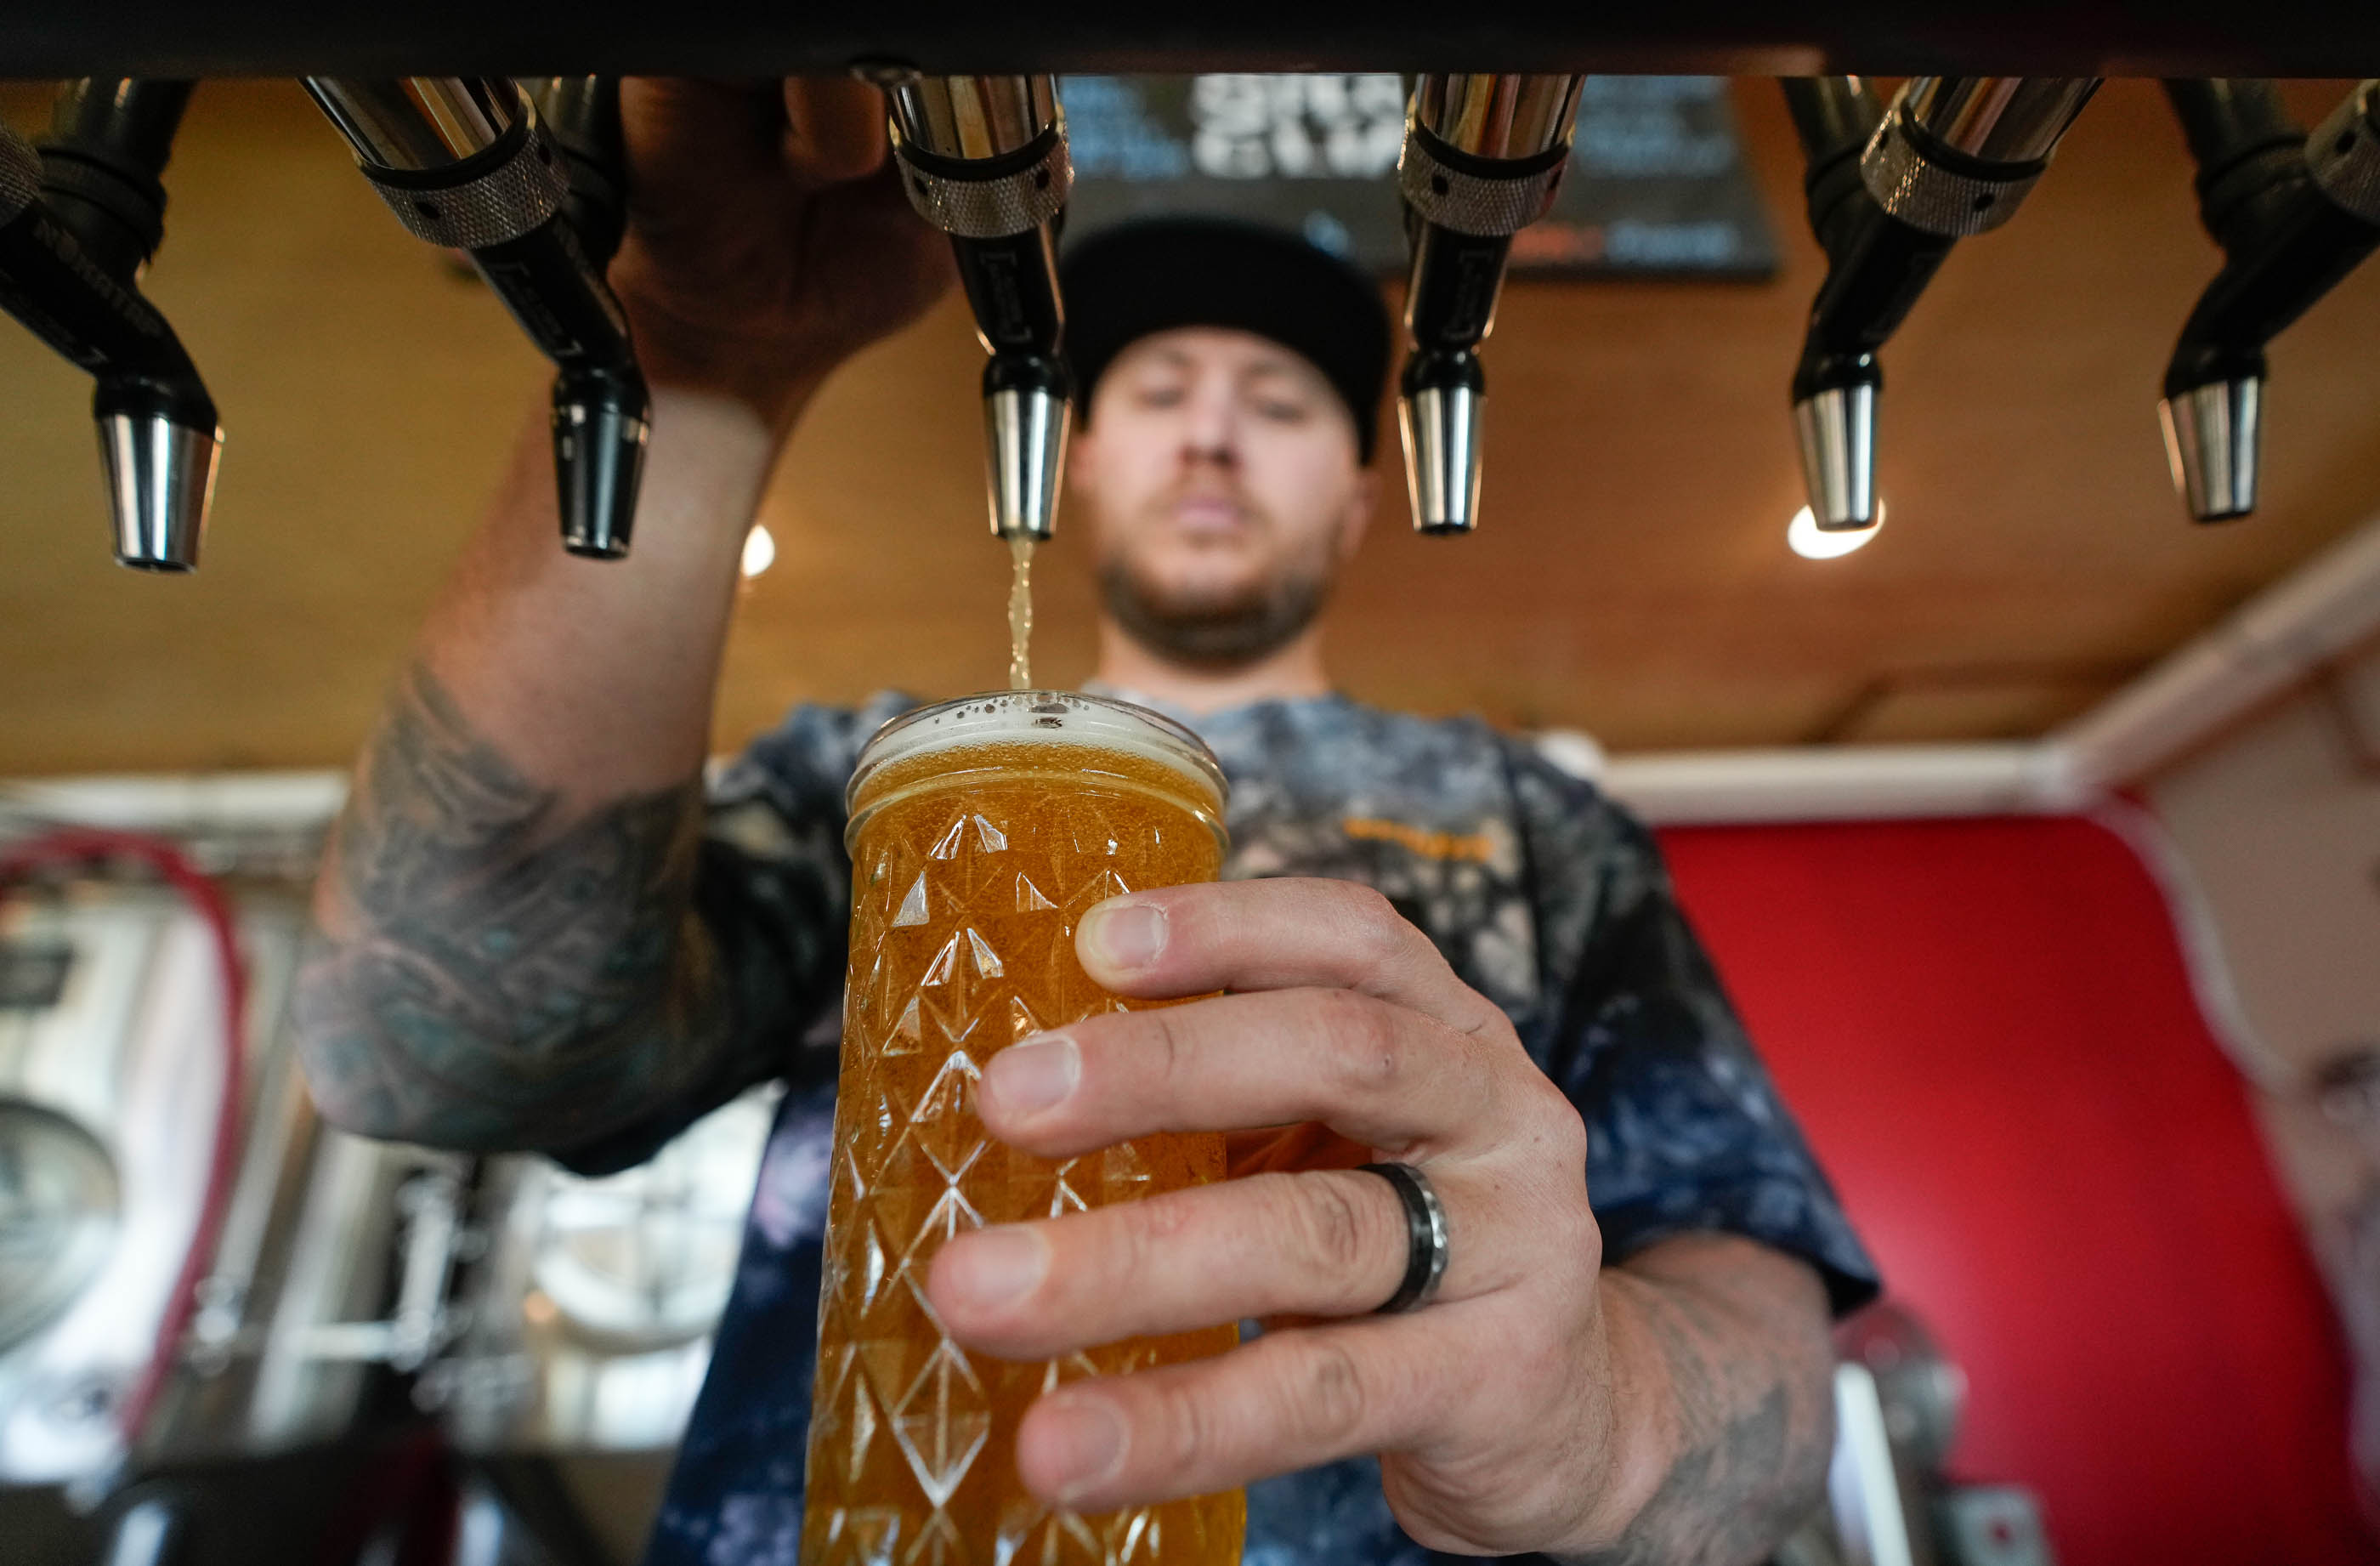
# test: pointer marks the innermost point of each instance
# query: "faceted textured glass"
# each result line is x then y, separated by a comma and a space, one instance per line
966, 896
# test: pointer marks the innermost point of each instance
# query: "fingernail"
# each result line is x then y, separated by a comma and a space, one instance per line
1085, 1438
994, 1265
1129, 936
1027, 1078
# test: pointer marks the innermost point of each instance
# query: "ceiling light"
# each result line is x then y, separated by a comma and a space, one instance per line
760, 551
1812, 542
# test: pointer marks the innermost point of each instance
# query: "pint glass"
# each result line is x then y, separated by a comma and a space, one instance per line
980, 831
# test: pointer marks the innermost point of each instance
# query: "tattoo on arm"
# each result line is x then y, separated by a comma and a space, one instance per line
1755, 1411
511, 978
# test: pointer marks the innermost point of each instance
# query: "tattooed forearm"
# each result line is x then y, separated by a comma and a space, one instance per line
503, 976
1750, 1372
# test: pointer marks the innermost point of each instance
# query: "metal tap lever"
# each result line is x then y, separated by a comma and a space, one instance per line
464, 162
984, 160
79, 218
1954, 156
1483, 158
2294, 214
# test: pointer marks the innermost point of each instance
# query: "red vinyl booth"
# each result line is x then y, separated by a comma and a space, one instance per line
1987, 1028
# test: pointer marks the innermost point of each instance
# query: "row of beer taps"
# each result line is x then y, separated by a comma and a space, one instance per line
528, 180
1891, 189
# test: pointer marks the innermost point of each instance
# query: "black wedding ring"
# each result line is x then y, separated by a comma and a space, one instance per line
1426, 1247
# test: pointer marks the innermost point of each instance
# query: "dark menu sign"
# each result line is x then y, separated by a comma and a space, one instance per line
1657, 185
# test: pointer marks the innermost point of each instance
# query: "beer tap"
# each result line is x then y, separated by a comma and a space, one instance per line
582, 116
2294, 214
78, 220
1952, 157
464, 162
1483, 159
984, 160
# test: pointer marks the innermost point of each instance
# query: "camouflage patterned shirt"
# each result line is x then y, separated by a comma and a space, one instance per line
1543, 895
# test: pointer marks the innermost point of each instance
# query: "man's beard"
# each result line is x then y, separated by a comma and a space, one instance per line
1210, 630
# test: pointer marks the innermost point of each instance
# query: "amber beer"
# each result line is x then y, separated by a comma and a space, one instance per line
980, 831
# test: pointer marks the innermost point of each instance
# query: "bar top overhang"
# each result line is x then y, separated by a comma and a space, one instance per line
155, 37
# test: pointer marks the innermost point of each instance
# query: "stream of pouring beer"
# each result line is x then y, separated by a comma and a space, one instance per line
1020, 615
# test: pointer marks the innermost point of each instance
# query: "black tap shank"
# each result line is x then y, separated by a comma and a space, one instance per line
1890, 192
2285, 242
984, 160
1484, 156
516, 201
2293, 214
1876, 265
1012, 285
101, 324
78, 220
1011, 281
1451, 298
581, 114
107, 144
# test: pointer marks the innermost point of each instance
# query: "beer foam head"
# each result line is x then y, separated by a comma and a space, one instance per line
1006, 719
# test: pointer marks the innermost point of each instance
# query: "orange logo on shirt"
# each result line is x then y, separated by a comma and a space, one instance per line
1472, 847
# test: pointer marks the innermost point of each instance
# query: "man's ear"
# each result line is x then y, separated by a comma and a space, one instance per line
1362, 496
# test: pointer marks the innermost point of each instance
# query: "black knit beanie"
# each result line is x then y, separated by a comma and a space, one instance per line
1153, 275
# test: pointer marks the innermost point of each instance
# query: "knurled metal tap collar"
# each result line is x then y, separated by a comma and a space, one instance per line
1013, 194
1928, 194
20, 175
1491, 206
523, 187
2343, 153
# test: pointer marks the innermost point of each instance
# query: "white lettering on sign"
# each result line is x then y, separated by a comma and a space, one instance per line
1301, 127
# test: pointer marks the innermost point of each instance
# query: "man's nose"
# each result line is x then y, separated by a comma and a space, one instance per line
1210, 428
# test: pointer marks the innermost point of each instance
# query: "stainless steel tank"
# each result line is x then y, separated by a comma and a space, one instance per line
536, 1313
110, 1074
